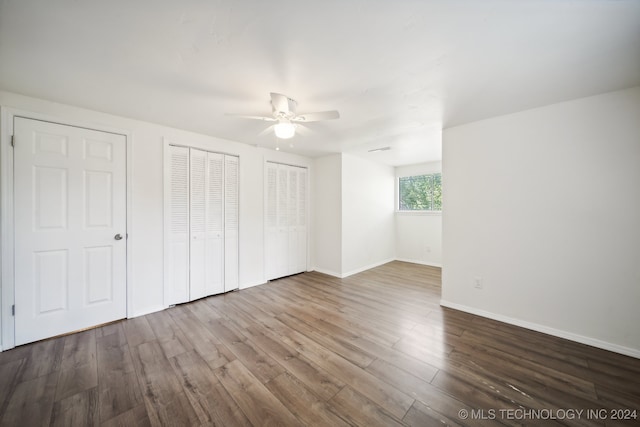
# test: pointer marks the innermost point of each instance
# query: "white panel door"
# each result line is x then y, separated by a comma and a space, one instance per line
197, 224
70, 228
231, 222
214, 280
177, 247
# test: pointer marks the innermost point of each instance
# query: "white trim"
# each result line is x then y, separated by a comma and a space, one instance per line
130, 236
7, 279
415, 261
146, 311
628, 351
418, 213
250, 285
356, 271
366, 267
165, 222
328, 272
7, 333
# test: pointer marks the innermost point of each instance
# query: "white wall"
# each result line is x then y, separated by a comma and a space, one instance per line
544, 205
418, 234
146, 231
368, 235
327, 193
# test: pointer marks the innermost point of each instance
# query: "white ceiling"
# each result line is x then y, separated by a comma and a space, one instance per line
398, 71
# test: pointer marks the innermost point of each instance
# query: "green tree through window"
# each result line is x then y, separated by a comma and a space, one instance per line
420, 193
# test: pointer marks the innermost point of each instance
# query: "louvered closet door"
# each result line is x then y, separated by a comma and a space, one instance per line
231, 221
271, 220
198, 203
282, 238
285, 220
292, 216
301, 224
178, 227
202, 226
214, 264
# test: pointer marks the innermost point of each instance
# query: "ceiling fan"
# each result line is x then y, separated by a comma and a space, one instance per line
284, 114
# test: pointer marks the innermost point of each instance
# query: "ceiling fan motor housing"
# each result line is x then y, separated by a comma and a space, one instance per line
285, 110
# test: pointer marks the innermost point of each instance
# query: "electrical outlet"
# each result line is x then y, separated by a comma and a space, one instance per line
477, 282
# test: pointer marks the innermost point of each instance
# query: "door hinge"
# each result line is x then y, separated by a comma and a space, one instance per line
13, 141
13, 310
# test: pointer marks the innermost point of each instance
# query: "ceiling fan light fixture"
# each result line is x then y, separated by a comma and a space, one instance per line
284, 129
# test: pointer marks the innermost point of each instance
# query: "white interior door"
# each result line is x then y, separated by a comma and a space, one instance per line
70, 228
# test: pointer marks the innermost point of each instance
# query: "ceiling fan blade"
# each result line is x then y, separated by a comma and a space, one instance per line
302, 130
243, 116
316, 117
282, 104
267, 131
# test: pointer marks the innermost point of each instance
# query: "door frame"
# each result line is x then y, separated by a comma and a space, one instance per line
7, 226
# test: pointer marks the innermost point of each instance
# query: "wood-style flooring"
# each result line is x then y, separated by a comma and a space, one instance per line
375, 349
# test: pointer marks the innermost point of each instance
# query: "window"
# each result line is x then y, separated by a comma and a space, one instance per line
420, 193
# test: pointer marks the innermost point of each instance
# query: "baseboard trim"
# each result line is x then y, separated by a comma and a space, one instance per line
328, 272
367, 267
416, 261
593, 342
147, 311
370, 266
251, 285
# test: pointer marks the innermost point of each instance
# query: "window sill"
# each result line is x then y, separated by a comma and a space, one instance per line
419, 213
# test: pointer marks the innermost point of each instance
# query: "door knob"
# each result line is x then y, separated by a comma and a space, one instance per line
118, 237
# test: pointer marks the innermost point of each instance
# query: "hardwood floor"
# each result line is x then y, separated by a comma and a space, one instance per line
374, 349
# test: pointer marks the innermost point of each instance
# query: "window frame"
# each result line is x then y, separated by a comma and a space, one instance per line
416, 211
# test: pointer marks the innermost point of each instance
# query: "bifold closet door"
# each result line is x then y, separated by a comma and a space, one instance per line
299, 261
177, 246
285, 220
206, 219
202, 247
282, 245
292, 220
214, 249
231, 222
197, 230
271, 220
